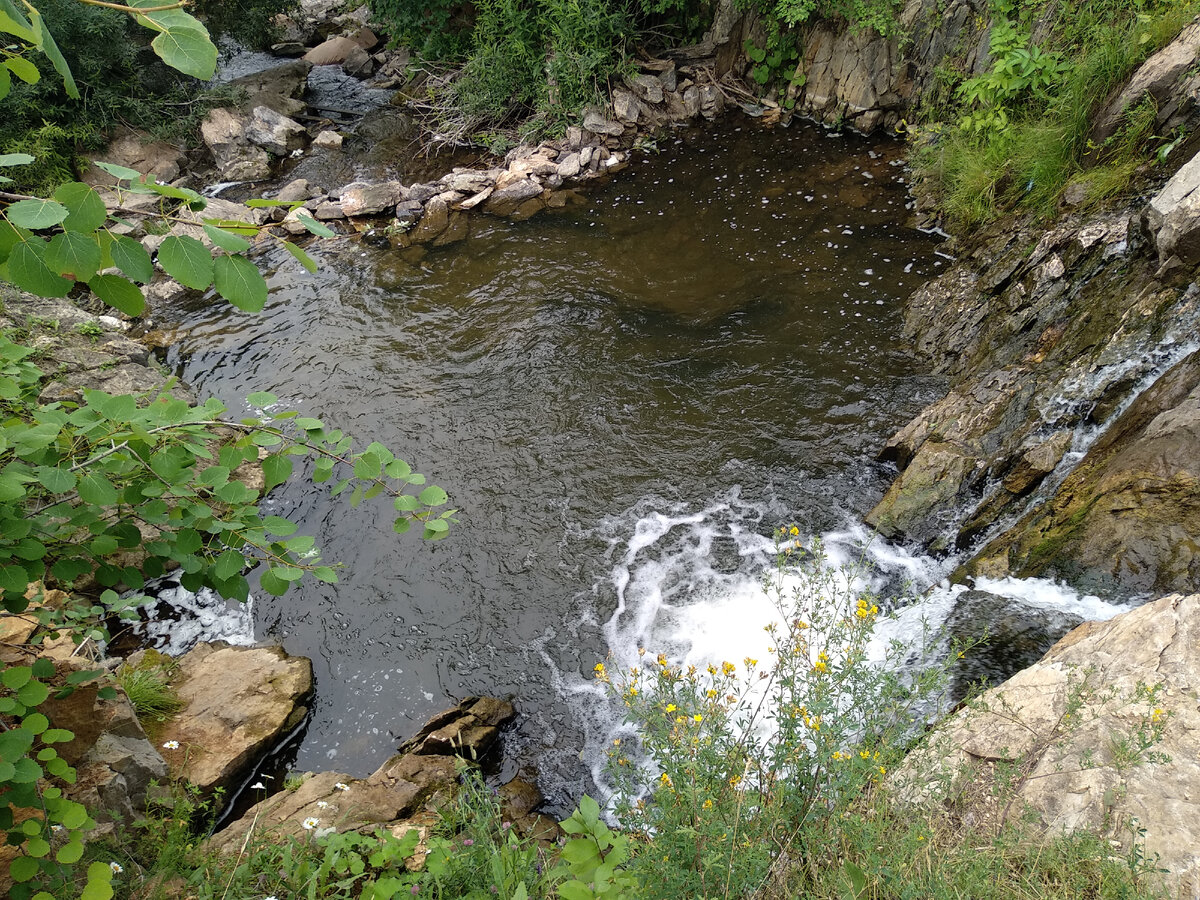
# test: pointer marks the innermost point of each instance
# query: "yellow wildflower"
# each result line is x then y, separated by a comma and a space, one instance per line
599, 670
795, 531
697, 718
708, 804
728, 668
671, 707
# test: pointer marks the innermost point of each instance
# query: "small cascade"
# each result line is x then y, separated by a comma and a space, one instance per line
701, 588
173, 620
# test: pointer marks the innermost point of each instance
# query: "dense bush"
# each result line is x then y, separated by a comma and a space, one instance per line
535, 60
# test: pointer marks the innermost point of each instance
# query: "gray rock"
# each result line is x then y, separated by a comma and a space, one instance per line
647, 88
295, 190
505, 201
420, 192
368, 199
1174, 215
273, 132
625, 106
433, 221
280, 87
598, 124
569, 165
408, 212
328, 210
224, 133
328, 140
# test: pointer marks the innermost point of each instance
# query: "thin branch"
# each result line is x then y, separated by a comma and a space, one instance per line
134, 10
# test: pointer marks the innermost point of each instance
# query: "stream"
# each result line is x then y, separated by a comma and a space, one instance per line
624, 399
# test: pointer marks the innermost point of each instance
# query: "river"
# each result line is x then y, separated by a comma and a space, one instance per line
624, 399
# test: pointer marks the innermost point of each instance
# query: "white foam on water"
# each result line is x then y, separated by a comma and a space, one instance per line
178, 619
692, 585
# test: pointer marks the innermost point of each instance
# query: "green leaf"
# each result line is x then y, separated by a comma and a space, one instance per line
276, 470
86, 209
28, 271
15, 677
23, 69
5, 86
314, 227
226, 241
239, 281
367, 467
131, 258
46, 45
280, 526
35, 722
37, 213
121, 173
23, 868
433, 496
272, 583
326, 574
189, 50
73, 254
305, 260
262, 398
187, 261
119, 293
43, 668
33, 694
16, 159
58, 481
97, 490
406, 503
70, 853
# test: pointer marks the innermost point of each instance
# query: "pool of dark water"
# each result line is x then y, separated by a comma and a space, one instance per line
714, 329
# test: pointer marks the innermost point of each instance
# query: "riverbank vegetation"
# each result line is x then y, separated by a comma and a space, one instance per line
121, 81
1020, 135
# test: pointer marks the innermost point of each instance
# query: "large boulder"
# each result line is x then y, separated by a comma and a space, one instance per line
1174, 215
1157, 78
341, 51
369, 198
275, 133
224, 133
238, 703
280, 87
138, 151
1064, 741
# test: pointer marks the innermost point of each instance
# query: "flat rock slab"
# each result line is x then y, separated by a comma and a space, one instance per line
1071, 773
238, 703
396, 795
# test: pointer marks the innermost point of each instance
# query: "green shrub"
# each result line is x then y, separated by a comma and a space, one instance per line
1028, 119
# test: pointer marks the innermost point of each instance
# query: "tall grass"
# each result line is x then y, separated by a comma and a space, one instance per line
1045, 146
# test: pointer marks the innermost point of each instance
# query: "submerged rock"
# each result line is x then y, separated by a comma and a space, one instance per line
1009, 636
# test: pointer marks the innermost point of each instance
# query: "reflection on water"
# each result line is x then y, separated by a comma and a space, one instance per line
715, 326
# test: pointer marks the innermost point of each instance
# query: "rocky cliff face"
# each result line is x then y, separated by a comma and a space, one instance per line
1067, 441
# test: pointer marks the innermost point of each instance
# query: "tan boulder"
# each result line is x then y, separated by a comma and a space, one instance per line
238, 703
1104, 731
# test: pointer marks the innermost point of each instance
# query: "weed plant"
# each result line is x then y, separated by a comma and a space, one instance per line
1023, 138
